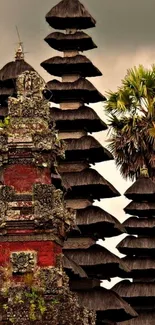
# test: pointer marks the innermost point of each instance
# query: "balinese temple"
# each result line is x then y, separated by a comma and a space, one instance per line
139, 248
75, 120
8, 76
34, 218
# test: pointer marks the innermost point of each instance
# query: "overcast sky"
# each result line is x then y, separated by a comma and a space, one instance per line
125, 35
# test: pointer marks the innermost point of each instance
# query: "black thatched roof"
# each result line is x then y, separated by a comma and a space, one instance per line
140, 267
87, 149
141, 209
82, 118
140, 226
71, 267
97, 261
13, 69
83, 284
94, 220
70, 14
78, 64
142, 189
107, 304
6, 92
87, 183
79, 90
140, 246
129, 290
69, 42
144, 318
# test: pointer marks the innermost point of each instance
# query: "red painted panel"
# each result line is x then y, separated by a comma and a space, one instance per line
46, 251
22, 177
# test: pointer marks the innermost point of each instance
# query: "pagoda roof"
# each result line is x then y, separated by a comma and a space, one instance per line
13, 69
69, 42
142, 209
78, 64
72, 268
79, 90
88, 182
97, 261
142, 189
82, 118
144, 318
70, 14
140, 267
140, 246
86, 148
6, 92
140, 226
128, 290
94, 220
107, 303
83, 284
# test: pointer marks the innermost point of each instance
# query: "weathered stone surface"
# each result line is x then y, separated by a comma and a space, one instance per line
50, 210
45, 296
23, 262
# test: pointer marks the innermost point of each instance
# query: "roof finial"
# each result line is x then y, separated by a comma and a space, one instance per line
144, 171
19, 54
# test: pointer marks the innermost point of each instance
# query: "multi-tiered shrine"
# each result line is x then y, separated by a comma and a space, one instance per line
34, 219
74, 121
139, 247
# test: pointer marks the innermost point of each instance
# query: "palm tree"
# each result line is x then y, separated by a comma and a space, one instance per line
131, 111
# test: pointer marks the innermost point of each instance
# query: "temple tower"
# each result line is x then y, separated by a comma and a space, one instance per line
82, 184
34, 219
139, 247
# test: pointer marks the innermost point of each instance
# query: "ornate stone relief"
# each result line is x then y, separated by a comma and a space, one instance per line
50, 210
23, 262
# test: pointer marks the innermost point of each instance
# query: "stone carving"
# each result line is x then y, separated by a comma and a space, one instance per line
3, 147
23, 262
28, 107
50, 210
3, 141
44, 141
6, 195
30, 84
3, 210
45, 298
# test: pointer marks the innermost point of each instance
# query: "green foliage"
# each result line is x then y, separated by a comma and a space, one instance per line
131, 111
5, 123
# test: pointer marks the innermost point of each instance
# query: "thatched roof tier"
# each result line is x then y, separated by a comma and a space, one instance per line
87, 183
13, 69
140, 246
142, 190
81, 118
138, 294
6, 92
141, 209
83, 284
87, 149
78, 64
70, 14
144, 318
140, 267
97, 261
94, 220
79, 90
72, 269
140, 226
69, 42
77, 242
107, 303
